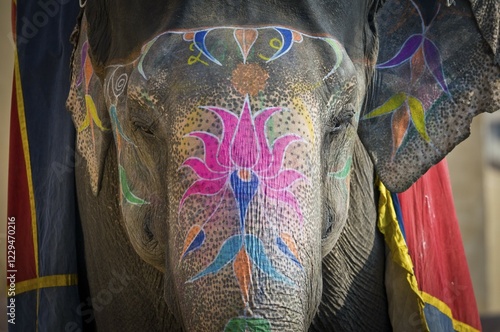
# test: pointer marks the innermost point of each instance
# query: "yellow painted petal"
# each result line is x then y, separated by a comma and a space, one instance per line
389, 106
418, 117
85, 124
89, 102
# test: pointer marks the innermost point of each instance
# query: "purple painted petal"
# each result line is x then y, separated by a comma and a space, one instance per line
85, 48
284, 179
244, 149
201, 169
433, 62
265, 157
285, 197
211, 144
229, 124
204, 187
279, 147
409, 48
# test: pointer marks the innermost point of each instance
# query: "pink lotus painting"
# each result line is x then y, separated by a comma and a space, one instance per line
246, 163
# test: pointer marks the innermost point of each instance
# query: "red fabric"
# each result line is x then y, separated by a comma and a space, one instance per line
19, 200
435, 244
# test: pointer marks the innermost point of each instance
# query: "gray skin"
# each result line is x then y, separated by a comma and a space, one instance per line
196, 253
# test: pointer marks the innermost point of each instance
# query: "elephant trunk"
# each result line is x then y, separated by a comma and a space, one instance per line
247, 266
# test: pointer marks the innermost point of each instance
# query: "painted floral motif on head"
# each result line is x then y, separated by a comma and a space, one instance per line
244, 162
423, 55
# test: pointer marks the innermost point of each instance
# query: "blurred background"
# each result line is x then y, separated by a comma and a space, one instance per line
474, 168
6, 70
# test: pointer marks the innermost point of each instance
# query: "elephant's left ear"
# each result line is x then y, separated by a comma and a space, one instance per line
438, 67
88, 108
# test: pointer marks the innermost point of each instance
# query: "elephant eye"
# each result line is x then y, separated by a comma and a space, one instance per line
144, 127
146, 130
341, 121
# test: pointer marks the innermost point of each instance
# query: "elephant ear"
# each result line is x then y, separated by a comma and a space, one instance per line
438, 67
87, 105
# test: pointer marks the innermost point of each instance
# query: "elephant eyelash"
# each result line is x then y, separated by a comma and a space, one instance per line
340, 122
146, 128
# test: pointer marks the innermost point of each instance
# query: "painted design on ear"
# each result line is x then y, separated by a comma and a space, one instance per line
405, 109
86, 74
422, 52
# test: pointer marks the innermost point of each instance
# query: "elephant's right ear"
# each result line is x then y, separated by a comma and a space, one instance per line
438, 67
87, 104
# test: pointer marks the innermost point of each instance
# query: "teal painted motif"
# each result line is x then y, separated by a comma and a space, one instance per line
344, 172
127, 193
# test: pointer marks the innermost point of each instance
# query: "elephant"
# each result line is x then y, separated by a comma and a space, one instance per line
230, 149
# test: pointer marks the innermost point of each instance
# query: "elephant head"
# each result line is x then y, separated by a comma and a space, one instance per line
235, 128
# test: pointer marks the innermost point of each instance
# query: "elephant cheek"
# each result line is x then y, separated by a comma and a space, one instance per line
336, 211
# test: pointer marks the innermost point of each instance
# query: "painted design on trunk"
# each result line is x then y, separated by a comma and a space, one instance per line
248, 324
246, 163
423, 55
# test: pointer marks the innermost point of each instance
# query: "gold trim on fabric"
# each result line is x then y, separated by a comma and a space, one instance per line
445, 310
59, 280
394, 239
27, 160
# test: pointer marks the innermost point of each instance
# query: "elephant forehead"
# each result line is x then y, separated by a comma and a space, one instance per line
272, 66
